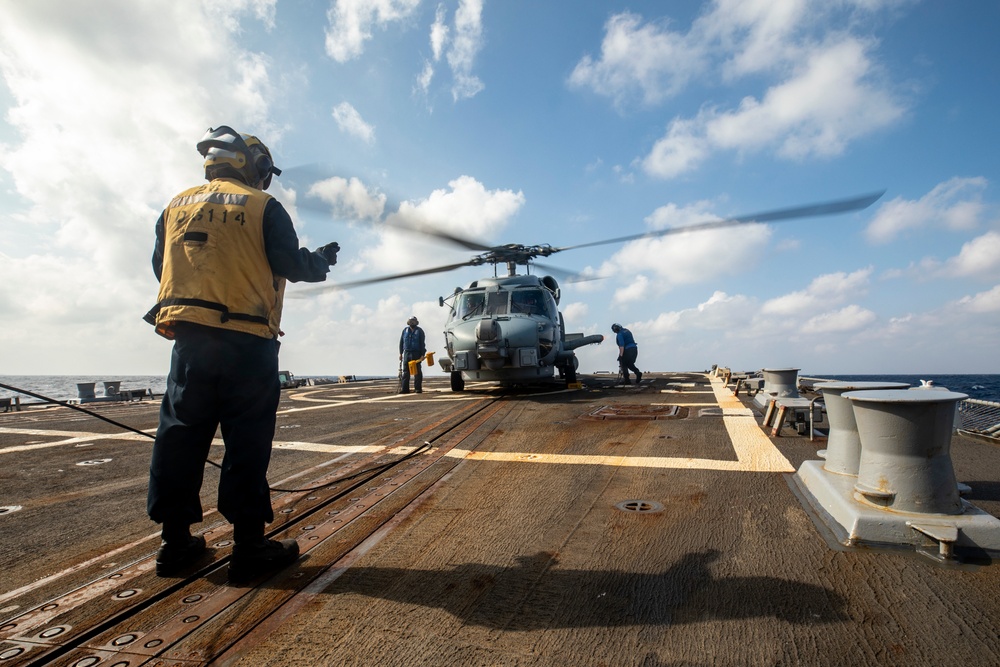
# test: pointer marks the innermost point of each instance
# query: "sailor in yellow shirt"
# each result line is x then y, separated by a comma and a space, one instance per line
223, 253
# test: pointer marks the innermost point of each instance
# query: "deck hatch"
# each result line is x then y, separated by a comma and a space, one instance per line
639, 506
632, 411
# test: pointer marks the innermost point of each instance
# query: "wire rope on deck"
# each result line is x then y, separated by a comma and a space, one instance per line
129, 616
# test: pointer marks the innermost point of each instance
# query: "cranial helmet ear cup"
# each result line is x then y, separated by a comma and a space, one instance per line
262, 162
264, 167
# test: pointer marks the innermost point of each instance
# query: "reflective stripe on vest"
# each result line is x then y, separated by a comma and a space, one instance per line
215, 268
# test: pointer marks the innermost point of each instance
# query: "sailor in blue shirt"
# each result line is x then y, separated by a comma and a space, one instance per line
412, 348
628, 351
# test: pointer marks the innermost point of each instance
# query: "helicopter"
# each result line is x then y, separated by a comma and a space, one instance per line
509, 329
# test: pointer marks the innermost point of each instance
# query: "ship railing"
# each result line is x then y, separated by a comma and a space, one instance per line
979, 417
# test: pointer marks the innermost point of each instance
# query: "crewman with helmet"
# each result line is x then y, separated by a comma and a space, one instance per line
223, 253
412, 347
628, 352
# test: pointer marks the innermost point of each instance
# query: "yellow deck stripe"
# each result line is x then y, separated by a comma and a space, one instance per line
754, 450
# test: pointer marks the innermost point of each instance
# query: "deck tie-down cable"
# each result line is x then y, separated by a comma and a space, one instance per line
419, 450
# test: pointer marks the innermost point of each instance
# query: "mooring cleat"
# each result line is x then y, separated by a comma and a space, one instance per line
174, 557
254, 560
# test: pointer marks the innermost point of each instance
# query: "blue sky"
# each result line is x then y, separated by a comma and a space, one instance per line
522, 122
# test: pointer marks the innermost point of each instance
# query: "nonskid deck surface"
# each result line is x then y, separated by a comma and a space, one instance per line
648, 525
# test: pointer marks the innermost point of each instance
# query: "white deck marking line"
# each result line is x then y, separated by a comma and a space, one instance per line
754, 450
307, 396
690, 405
329, 449
683, 391
324, 405
70, 438
76, 437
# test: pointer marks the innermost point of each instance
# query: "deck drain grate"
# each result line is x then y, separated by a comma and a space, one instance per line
639, 506
631, 411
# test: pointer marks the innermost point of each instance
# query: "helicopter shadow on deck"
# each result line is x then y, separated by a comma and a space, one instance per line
602, 385
537, 594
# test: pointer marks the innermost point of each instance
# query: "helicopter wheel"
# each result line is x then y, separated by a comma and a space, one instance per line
457, 382
569, 372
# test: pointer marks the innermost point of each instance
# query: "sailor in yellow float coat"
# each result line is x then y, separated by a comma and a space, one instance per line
210, 231
222, 255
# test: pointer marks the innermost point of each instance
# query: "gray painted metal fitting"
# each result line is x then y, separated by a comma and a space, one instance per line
905, 463
784, 382
843, 449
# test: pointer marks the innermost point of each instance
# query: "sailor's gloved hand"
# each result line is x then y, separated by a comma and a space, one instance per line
329, 252
619, 358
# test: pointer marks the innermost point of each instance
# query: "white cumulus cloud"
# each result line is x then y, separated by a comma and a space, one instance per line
458, 44
822, 291
954, 204
978, 257
827, 103
636, 58
351, 23
350, 121
821, 87
688, 257
466, 209
102, 121
350, 198
984, 302
848, 318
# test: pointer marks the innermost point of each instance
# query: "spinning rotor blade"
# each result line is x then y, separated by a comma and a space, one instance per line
438, 234
809, 211
307, 175
378, 279
565, 274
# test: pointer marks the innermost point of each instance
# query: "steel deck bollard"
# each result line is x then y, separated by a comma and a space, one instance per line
784, 382
843, 448
905, 463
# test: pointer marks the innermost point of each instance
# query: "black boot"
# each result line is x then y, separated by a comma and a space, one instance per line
254, 560
254, 556
179, 549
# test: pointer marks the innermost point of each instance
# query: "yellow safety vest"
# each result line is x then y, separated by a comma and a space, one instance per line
215, 268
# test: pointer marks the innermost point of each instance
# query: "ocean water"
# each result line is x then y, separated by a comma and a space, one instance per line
63, 387
983, 387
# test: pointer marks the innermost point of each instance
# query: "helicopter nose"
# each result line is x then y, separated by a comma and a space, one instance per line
488, 331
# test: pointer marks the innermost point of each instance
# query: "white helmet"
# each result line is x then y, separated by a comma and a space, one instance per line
244, 156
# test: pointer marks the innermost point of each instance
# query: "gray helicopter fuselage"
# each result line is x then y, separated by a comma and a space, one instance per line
507, 330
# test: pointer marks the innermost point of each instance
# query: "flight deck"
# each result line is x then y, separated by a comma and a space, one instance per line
606, 525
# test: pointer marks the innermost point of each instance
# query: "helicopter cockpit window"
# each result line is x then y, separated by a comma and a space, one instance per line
496, 303
470, 304
528, 302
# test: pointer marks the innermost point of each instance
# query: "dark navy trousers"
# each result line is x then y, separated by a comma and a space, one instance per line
217, 378
418, 378
628, 362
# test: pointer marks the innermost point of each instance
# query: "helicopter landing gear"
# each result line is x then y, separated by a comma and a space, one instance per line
457, 382
568, 372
